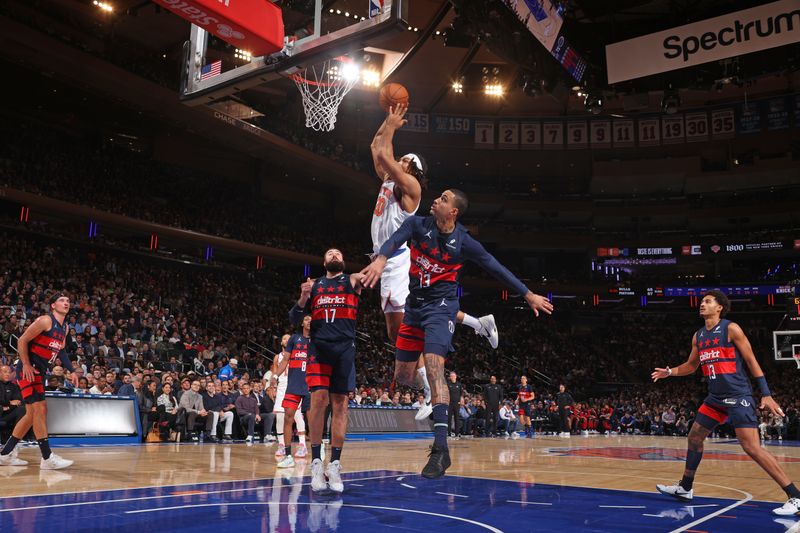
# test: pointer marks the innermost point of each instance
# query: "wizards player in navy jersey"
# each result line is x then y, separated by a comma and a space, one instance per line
299, 349
525, 397
439, 246
723, 351
331, 375
39, 346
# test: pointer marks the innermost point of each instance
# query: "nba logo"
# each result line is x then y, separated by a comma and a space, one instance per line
376, 7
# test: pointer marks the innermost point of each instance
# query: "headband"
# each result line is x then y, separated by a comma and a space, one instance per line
415, 158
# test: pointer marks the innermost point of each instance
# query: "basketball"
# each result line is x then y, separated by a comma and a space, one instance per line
393, 94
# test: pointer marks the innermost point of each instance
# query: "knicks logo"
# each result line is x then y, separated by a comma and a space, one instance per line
654, 454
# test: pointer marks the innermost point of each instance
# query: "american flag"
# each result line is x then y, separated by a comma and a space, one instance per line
209, 71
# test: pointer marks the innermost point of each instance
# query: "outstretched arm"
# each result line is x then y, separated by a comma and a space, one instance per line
377, 146
297, 312
383, 155
739, 339
474, 251
685, 369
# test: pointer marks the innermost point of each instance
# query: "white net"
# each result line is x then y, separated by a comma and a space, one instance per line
323, 87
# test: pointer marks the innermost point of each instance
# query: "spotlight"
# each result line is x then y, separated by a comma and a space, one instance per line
370, 78
593, 102
458, 87
671, 100
493, 89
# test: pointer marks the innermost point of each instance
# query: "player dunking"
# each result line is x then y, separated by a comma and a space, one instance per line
722, 349
398, 199
439, 246
38, 347
296, 361
331, 371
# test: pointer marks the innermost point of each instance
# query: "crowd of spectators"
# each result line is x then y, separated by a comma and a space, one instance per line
140, 322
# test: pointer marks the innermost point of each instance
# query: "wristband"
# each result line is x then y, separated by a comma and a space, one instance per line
762, 386
669, 371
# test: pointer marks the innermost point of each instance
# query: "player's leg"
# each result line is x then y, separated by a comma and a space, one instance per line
393, 321
745, 422
343, 380
708, 417
439, 457
291, 402
300, 424
485, 326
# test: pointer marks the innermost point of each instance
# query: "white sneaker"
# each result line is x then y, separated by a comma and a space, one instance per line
269, 439
248, 439
676, 491
55, 463
424, 411
12, 460
280, 453
301, 452
507, 435
318, 483
489, 330
286, 462
790, 508
334, 477
514, 435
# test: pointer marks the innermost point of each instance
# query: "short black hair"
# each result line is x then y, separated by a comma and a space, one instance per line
460, 201
722, 299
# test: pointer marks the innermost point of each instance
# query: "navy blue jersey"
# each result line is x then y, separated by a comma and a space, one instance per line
437, 259
298, 348
722, 363
524, 393
45, 347
334, 309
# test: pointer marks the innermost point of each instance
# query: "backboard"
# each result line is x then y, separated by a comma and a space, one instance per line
316, 30
786, 345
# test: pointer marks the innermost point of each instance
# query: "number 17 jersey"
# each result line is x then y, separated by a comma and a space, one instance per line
334, 309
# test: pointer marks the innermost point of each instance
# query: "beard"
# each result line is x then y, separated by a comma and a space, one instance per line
334, 267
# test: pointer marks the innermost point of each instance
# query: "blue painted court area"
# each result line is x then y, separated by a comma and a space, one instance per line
379, 501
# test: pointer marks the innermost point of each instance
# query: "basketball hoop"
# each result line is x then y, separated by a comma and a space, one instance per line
323, 87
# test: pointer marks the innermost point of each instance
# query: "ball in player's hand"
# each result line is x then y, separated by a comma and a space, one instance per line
391, 95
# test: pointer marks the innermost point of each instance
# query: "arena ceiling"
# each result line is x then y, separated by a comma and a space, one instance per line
460, 39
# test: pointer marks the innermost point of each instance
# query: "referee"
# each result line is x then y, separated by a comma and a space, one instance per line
564, 400
493, 394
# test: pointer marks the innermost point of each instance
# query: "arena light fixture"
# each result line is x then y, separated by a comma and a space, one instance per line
104, 6
493, 89
370, 78
244, 55
350, 71
458, 87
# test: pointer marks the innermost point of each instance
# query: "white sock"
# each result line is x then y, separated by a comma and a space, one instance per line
472, 322
279, 419
425, 385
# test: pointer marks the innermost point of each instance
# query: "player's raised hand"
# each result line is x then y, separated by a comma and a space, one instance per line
395, 117
539, 303
372, 272
305, 288
660, 373
769, 404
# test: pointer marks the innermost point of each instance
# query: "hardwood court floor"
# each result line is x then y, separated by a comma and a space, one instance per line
550, 470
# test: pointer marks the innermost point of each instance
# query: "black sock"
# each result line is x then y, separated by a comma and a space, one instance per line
11, 443
288, 449
316, 452
686, 482
791, 491
44, 446
336, 453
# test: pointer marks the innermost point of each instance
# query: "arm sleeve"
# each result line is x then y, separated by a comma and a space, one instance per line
399, 237
474, 251
66, 363
296, 314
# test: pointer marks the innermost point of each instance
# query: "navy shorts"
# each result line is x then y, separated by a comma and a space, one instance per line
740, 412
332, 367
426, 329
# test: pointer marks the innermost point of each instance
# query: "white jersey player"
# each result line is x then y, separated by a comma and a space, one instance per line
399, 198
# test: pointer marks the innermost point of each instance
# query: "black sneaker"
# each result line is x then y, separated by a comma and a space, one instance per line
438, 462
